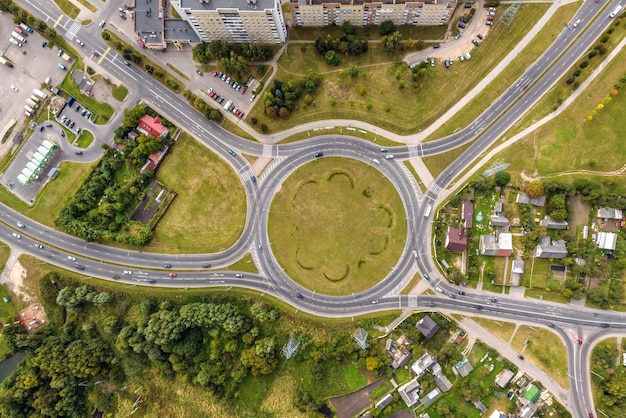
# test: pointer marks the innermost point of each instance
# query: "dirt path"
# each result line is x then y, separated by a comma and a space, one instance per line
618, 172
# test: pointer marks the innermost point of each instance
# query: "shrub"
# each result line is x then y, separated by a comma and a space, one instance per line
362, 91
172, 84
264, 128
570, 80
577, 73
584, 64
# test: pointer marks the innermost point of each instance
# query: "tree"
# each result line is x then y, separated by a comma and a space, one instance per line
332, 58
387, 27
392, 42
502, 178
534, 189
353, 71
372, 363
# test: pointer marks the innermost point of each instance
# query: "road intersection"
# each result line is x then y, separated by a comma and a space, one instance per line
107, 262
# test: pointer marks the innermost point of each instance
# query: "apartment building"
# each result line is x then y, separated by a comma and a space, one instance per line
234, 21
368, 12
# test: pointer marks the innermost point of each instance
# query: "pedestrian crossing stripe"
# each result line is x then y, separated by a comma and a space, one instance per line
103, 55
58, 20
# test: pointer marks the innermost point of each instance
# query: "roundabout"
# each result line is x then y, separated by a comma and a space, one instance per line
337, 226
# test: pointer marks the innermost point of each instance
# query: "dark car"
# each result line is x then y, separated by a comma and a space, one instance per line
78, 153
319, 154
551, 325
151, 281
436, 46
198, 72
464, 20
167, 266
479, 307
461, 25
206, 266
475, 42
461, 293
479, 36
62, 133
468, 5
604, 325
116, 277
232, 153
521, 357
299, 296
79, 267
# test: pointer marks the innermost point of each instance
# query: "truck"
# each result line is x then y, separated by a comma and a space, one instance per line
26, 172
29, 109
27, 113
40, 158
18, 37
33, 167
64, 55
70, 101
48, 144
428, 210
34, 98
32, 104
44, 151
40, 93
21, 31
6, 62
26, 27
227, 105
23, 180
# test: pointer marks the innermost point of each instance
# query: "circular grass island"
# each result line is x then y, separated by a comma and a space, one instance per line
337, 226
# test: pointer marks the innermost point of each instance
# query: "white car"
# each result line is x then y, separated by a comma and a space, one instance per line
14, 87
102, 23
79, 42
15, 42
16, 235
71, 258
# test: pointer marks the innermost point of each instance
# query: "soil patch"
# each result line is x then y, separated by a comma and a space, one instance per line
352, 404
580, 213
15, 282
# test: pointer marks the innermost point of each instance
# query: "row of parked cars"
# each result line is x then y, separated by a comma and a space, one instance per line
231, 82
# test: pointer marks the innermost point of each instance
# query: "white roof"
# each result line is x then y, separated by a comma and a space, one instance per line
606, 240
506, 241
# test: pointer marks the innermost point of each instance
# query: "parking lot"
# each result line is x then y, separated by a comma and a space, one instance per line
32, 64
222, 89
75, 117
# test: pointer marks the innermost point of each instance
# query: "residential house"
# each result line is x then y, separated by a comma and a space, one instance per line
504, 378
551, 249
606, 240
524, 199
384, 402
398, 352
431, 397
410, 392
456, 240
152, 126
498, 414
501, 246
481, 407
609, 213
550, 223
463, 368
528, 410
498, 221
531, 393
467, 213
154, 159
423, 364
517, 270
441, 380
427, 326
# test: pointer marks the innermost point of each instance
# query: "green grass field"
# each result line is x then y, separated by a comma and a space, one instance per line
384, 82
545, 350
209, 212
119, 92
68, 8
84, 140
337, 226
501, 329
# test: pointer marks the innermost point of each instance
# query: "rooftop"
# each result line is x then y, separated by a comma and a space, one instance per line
259, 5
427, 326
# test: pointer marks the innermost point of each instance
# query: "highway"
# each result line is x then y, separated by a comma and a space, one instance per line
147, 268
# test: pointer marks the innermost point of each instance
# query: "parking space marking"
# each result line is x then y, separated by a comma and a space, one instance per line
104, 55
58, 20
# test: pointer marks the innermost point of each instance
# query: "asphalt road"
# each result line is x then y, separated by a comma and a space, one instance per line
484, 131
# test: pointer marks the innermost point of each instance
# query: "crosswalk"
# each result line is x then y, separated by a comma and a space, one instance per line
72, 31
412, 301
434, 189
414, 152
268, 150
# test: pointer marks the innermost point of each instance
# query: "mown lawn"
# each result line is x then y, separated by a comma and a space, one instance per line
545, 349
337, 226
68, 8
119, 92
501, 329
384, 82
103, 110
209, 212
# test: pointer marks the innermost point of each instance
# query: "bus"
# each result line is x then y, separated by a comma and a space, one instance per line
616, 11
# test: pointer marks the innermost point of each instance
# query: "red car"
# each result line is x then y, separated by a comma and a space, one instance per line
172, 274
580, 340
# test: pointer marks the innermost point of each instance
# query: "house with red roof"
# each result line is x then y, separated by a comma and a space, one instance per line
152, 126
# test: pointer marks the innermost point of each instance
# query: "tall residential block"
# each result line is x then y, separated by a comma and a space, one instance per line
368, 12
234, 21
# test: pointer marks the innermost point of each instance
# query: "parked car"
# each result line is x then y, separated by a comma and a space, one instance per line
475, 42
461, 25
479, 36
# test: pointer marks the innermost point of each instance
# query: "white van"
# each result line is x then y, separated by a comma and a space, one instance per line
228, 104
376, 161
576, 23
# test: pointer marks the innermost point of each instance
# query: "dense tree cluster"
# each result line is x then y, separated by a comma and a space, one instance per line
331, 48
218, 50
280, 100
203, 107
